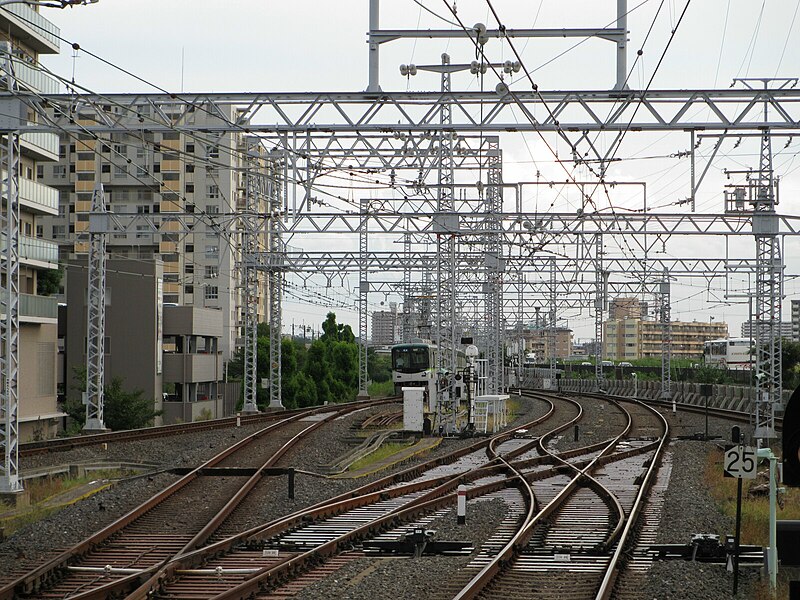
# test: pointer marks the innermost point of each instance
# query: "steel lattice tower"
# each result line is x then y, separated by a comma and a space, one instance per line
446, 238
363, 293
493, 263
9, 326
253, 192
96, 315
666, 338
769, 269
275, 199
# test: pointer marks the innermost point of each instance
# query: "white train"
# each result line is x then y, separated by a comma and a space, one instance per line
730, 353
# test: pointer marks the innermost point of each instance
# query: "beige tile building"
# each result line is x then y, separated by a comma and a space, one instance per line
153, 174
632, 338
29, 35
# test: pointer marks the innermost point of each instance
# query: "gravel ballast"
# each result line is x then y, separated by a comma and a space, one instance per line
688, 507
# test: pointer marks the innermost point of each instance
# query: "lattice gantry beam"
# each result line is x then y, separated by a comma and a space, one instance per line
323, 113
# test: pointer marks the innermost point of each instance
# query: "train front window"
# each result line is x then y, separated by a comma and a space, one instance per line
410, 359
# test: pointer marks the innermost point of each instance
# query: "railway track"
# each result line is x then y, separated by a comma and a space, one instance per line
180, 519
568, 540
570, 521
110, 437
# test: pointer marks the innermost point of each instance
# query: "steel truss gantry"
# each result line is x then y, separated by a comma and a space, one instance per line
374, 127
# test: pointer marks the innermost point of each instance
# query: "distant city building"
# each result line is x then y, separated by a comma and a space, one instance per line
786, 328
627, 308
384, 327
796, 320
537, 342
631, 339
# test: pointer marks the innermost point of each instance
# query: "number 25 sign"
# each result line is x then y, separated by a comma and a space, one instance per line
740, 462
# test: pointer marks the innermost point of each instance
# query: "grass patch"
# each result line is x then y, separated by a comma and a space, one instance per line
755, 511
384, 451
381, 389
44, 488
755, 516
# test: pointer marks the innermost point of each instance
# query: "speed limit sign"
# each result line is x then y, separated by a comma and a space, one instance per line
740, 462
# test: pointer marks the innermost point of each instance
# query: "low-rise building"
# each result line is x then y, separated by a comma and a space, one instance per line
631, 338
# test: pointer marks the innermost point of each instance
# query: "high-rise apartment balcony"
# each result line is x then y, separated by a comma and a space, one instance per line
35, 252
34, 309
40, 145
24, 23
38, 309
192, 368
36, 198
31, 78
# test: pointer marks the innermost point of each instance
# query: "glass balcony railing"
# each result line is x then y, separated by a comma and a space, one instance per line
34, 249
33, 79
35, 22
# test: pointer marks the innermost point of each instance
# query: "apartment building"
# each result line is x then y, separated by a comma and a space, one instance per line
384, 327
787, 328
156, 175
632, 338
795, 320
27, 35
538, 340
627, 308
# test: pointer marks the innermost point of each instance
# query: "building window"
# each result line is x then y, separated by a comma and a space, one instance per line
190, 148
213, 191
120, 171
190, 168
188, 268
212, 209
211, 293
212, 151
190, 188
105, 168
188, 289
212, 251
212, 271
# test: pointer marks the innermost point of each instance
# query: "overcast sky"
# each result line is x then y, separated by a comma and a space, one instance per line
304, 45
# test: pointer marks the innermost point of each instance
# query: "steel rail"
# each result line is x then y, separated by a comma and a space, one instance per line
367, 494
35, 578
512, 548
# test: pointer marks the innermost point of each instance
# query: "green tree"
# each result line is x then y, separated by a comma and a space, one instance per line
379, 366
790, 363
49, 282
121, 409
127, 410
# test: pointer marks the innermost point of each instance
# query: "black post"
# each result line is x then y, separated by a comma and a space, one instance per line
736, 438
738, 532
291, 484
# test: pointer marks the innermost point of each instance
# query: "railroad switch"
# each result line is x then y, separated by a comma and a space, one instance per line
707, 548
418, 542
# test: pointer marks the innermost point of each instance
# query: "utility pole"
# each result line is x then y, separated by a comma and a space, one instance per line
249, 275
